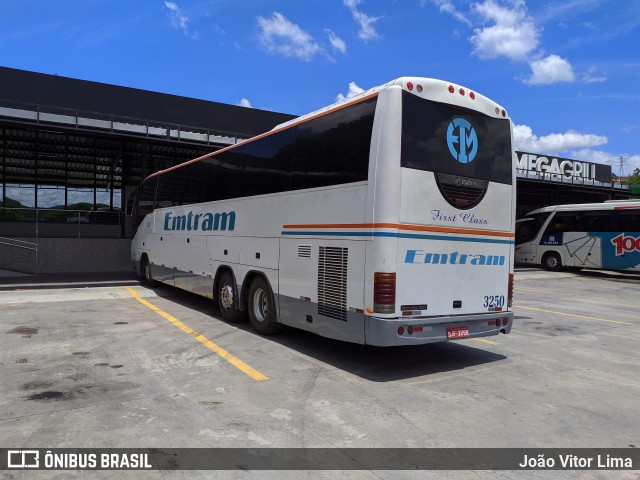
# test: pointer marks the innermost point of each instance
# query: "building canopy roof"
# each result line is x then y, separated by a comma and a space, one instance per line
52, 90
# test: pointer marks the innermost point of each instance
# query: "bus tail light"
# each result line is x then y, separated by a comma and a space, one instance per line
384, 292
510, 291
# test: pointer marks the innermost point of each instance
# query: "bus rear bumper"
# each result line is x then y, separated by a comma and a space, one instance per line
389, 332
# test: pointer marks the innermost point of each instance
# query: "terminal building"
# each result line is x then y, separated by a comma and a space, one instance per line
72, 152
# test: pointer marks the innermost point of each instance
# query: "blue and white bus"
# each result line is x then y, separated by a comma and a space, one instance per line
386, 219
587, 235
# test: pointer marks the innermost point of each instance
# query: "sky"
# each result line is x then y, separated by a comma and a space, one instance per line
568, 72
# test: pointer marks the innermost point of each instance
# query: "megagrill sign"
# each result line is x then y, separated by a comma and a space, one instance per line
557, 169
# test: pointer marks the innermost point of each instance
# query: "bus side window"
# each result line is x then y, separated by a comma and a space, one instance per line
598, 221
333, 149
564, 222
266, 164
525, 231
220, 174
628, 221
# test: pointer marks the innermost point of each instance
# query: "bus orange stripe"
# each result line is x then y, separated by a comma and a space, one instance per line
421, 228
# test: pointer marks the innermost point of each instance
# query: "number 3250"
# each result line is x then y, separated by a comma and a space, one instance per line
491, 301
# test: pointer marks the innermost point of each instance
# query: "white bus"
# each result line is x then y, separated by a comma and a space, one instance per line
386, 219
588, 235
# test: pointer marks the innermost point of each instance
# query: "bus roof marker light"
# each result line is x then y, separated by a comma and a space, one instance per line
419, 88
504, 113
497, 111
410, 86
461, 91
451, 89
472, 95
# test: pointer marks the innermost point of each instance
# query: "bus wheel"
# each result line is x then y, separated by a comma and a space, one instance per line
227, 300
551, 261
262, 311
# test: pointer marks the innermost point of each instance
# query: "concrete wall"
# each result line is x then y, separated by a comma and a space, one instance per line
69, 255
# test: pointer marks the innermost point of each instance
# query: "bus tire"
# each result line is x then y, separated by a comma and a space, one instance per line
262, 308
551, 261
228, 299
145, 267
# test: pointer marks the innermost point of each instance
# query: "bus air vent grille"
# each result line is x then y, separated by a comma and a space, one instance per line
304, 251
332, 282
461, 192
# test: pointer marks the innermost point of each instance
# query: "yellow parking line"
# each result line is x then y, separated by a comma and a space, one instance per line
485, 341
233, 360
574, 315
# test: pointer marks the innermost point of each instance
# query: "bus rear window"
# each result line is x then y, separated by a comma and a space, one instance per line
429, 131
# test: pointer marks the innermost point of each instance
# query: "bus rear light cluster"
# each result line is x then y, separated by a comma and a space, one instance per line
497, 321
384, 292
410, 330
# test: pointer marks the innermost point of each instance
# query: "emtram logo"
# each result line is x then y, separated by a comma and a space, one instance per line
462, 140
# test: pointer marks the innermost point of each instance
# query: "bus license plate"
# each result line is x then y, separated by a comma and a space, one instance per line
457, 332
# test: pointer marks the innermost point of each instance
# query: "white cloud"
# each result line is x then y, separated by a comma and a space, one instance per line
367, 28
554, 143
353, 90
575, 145
507, 30
630, 162
572, 144
179, 20
244, 102
548, 70
448, 7
512, 33
590, 76
279, 35
336, 42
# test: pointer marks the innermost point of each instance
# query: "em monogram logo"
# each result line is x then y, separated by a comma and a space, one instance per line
464, 145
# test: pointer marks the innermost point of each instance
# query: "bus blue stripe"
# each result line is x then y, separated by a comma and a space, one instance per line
400, 235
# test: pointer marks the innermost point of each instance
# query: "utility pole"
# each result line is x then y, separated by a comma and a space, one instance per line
621, 165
